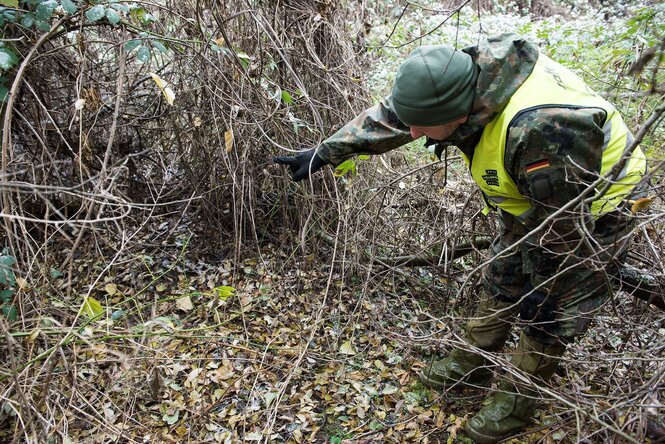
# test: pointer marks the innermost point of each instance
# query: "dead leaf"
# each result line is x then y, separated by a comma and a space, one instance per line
347, 348
155, 383
253, 436
184, 303
228, 140
181, 430
22, 283
166, 90
270, 397
246, 301
34, 335
192, 377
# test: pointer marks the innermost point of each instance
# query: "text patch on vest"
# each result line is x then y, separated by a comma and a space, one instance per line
491, 177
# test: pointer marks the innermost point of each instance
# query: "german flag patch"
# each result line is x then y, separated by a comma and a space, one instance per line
537, 166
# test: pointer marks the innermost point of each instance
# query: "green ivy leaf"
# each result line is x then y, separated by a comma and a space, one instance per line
6, 295
120, 7
10, 16
7, 59
6, 260
286, 98
43, 24
45, 10
10, 312
92, 308
68, 6
244, 59
7, 277
148, 18
112, 16
345, 167
376, 425
4, 93
143, 54
9, 3
160, 46
96, 13
224, 292
27, 21
171, 419
132, 44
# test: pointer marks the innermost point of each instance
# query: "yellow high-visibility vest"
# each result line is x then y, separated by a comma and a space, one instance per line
550, 85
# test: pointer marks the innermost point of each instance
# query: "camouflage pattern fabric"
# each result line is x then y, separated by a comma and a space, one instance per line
374, 131
571, 140
558, 283
505, 62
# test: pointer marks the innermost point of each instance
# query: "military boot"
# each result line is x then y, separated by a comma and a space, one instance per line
462, 368
510, 408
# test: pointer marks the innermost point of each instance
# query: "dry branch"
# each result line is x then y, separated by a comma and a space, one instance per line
456, 252
639, 284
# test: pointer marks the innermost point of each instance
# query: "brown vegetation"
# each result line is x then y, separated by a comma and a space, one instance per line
111, 194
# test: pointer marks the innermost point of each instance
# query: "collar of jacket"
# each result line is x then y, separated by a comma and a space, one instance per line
505, 62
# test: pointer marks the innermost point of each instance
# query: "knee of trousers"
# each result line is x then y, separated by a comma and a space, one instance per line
551, 318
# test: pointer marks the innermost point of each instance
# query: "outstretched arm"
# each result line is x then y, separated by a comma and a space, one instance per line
374, 131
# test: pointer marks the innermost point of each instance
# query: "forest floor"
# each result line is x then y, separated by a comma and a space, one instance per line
198, 350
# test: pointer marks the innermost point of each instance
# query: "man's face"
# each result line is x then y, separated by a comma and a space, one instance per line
437, 132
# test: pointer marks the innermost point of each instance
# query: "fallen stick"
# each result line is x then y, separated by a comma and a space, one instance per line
633, 281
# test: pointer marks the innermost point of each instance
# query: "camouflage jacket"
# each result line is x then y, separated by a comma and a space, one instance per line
505, 61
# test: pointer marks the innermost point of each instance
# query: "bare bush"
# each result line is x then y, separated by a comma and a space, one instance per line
111, 194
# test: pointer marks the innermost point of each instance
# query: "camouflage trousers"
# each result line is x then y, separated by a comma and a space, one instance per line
556, 282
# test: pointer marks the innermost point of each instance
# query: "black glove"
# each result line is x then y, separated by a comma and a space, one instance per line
302, 164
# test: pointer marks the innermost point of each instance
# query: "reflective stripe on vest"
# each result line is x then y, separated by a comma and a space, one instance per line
552, 85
